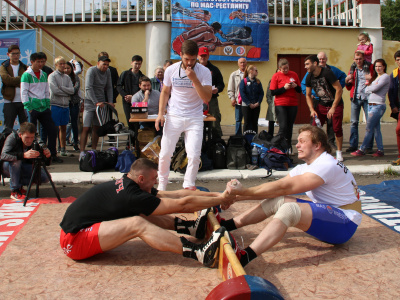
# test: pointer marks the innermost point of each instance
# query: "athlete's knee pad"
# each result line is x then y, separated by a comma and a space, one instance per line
289, 213
271, 206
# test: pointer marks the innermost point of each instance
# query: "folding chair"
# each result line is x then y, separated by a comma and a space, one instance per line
108, 119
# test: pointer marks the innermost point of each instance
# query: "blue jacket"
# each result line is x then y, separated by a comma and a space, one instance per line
251, 92
393, 93
340, 75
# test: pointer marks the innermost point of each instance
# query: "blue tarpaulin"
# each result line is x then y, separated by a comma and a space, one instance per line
382, 203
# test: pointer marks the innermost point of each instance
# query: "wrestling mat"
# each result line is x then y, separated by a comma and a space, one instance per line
301, 267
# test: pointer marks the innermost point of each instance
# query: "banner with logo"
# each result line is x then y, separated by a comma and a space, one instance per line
230, 29
26, 40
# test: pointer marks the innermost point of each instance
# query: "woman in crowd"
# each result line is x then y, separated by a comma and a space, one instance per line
252, 93
376, 91
74, 104
284, 85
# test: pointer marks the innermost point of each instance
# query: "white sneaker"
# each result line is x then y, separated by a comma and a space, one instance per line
339, 156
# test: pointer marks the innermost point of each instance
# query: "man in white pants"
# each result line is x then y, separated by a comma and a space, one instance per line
189, 85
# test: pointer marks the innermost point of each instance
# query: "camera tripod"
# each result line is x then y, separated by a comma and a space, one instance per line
37, 178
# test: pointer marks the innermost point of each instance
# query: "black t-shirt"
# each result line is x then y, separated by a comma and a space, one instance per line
108, 201
323, 85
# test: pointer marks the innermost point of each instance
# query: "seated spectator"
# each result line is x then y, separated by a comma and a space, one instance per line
152, 97
157, 81
61, 90
16, 157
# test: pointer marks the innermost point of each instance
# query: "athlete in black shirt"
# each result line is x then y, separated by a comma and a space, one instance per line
114, 212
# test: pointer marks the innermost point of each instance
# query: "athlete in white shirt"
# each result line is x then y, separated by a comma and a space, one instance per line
187, 85
332, 215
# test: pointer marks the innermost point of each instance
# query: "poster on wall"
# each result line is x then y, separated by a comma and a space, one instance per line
230, 29
26, 40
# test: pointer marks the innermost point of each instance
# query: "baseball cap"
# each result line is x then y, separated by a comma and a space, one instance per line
104, 58
203, 51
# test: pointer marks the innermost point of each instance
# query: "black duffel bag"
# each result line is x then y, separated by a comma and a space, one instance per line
95, 161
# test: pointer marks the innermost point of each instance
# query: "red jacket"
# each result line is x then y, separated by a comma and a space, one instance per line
351, 85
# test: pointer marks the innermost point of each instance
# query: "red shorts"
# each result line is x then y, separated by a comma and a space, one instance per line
337, 118
82, 244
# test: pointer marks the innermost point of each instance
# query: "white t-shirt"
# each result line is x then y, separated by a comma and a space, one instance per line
184, 101
340, 187
17, 97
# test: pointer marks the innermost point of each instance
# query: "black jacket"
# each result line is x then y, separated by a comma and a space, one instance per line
127, 85
217, 79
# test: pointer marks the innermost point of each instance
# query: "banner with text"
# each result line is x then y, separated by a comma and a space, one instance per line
230, 29
26, 40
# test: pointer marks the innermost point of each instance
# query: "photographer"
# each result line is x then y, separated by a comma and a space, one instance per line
17, 158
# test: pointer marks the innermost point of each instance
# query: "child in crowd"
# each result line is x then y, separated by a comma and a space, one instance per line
365, 46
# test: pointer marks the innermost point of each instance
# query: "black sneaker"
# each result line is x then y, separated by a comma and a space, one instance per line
205, 253
200, 226
351, 149
56, 159
76, 148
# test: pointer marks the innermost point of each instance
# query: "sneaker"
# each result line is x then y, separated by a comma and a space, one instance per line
81, 155
17, 195
340, 159
351, 149
56, 159
396, 162
200, 225
23, 191
217, 215
64, 153
378, 153
369, 151
358, 153
205, 253
192, 188
76, 148
234, 245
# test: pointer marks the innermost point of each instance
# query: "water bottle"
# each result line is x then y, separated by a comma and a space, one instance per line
317, 121
254, 156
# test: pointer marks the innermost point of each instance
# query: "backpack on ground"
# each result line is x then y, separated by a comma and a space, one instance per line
96, 161
179, 161
215, 150
238, 153
275, 159
124, 161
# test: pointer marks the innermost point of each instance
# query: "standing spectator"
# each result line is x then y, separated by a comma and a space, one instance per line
218, 86
341, 76
128, 85
270, 117
376, 91
35, 96
356, 82
394, 97
167, 63
61, 89
330, 106
11, 71
98, 80
189, 85
157, 80
74, 105
114, 77
45, 68
252, 93
152, 97
233, 93
284, 86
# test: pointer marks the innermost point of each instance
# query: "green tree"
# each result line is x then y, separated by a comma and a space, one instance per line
390, 19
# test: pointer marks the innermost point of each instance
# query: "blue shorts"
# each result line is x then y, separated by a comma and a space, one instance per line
329, 224
60, 115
